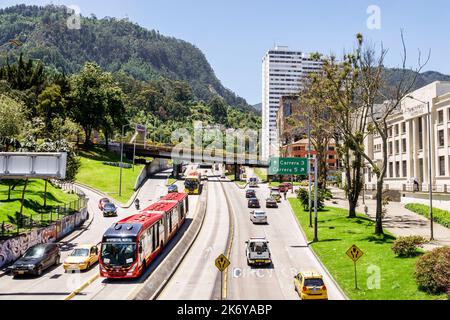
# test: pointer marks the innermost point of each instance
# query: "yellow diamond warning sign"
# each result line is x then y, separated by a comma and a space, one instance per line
222, 263
354, 253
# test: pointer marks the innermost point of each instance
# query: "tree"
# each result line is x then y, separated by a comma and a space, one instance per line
51, 104
317, 112
13, 118
93, 94
358, 84
218, 110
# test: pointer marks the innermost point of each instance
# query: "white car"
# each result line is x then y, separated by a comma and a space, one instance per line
257, 251
258, 216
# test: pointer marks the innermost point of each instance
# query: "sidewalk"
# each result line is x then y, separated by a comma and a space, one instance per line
400, 221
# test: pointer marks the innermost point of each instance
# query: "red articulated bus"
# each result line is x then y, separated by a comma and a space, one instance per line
131, 244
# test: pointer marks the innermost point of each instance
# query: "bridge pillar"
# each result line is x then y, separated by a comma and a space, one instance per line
176, 171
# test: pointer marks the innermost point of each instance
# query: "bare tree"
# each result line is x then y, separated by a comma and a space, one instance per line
363, 77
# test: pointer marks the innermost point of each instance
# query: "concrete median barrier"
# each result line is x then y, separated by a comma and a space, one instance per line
156, 282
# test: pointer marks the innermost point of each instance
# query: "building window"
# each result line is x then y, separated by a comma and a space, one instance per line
397, 146
420, 134
403, 127
404, 169
390, 148
396, 129
331, 157
440, 116
441, 138
390, 132
397, 169
404, 146
442, 166
391, 169
420, 170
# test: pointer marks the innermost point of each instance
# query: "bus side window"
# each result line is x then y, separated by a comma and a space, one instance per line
154, 232
186, 207
170, 221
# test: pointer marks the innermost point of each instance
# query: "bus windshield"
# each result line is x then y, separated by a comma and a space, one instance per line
118, 254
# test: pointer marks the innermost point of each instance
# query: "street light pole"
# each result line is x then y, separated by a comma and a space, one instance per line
316, 239
430, 181
121, 160
309, 173
430, 178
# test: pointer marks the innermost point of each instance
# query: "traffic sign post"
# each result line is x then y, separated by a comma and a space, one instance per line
355, 253
288, 166
222, 264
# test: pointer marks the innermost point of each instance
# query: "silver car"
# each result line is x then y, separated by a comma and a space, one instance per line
258, 216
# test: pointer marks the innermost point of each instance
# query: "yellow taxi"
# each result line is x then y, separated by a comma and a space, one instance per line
82, 257
310, 286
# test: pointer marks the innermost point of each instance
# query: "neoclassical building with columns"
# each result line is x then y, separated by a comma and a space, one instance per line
408, 145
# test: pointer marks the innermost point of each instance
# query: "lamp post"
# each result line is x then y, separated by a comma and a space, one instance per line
309, 173
430, 179
121, 158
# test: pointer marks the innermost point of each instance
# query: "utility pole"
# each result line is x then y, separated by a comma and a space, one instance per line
309, 173
316, 239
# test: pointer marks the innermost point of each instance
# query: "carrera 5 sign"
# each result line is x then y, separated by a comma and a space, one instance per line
288, 166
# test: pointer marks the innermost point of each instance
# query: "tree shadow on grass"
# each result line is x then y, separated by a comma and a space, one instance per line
98, 154
382, 239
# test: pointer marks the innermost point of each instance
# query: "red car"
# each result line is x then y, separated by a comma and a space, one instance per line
285, 186
102, 202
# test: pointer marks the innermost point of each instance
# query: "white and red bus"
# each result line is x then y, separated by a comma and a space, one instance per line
131, 244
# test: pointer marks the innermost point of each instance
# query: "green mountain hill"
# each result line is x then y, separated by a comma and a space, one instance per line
116, 45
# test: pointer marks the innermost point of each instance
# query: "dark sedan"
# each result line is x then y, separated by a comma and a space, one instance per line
102, 202
36, 259
253, 203
250, 193
172, 188
271, 203
110, 210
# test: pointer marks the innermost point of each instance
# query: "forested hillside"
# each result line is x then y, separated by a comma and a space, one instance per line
116, 45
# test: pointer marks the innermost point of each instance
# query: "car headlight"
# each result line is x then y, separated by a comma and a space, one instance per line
30, 266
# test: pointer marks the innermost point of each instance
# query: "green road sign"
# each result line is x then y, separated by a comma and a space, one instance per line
291, 166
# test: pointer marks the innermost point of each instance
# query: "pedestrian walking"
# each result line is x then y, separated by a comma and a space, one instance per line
285, 194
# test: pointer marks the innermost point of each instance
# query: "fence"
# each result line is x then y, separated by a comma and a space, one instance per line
74, 214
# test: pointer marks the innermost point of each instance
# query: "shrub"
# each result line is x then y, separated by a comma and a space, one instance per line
323, 194
433, 271
440, 216
407, 246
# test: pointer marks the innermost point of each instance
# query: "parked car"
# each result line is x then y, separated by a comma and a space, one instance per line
172, 188
82, 257
257, 251
253, 203
258, 216
102, 202
37, 259
110, 210
271, 203
310, 286
250, 193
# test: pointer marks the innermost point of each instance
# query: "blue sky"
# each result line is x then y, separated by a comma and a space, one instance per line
235, 34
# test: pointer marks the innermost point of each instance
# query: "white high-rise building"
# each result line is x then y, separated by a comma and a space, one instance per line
283, 73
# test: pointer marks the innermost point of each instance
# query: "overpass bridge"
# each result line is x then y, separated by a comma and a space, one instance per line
179, 155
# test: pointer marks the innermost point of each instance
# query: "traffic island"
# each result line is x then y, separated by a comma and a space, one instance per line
381, 275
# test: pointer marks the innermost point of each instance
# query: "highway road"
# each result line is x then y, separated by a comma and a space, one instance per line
290, 253
55, 284
197, 278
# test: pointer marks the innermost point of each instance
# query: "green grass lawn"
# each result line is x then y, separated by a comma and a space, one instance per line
34, 198
337, 234
261, 174
239, 182
104, 177
440, 216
